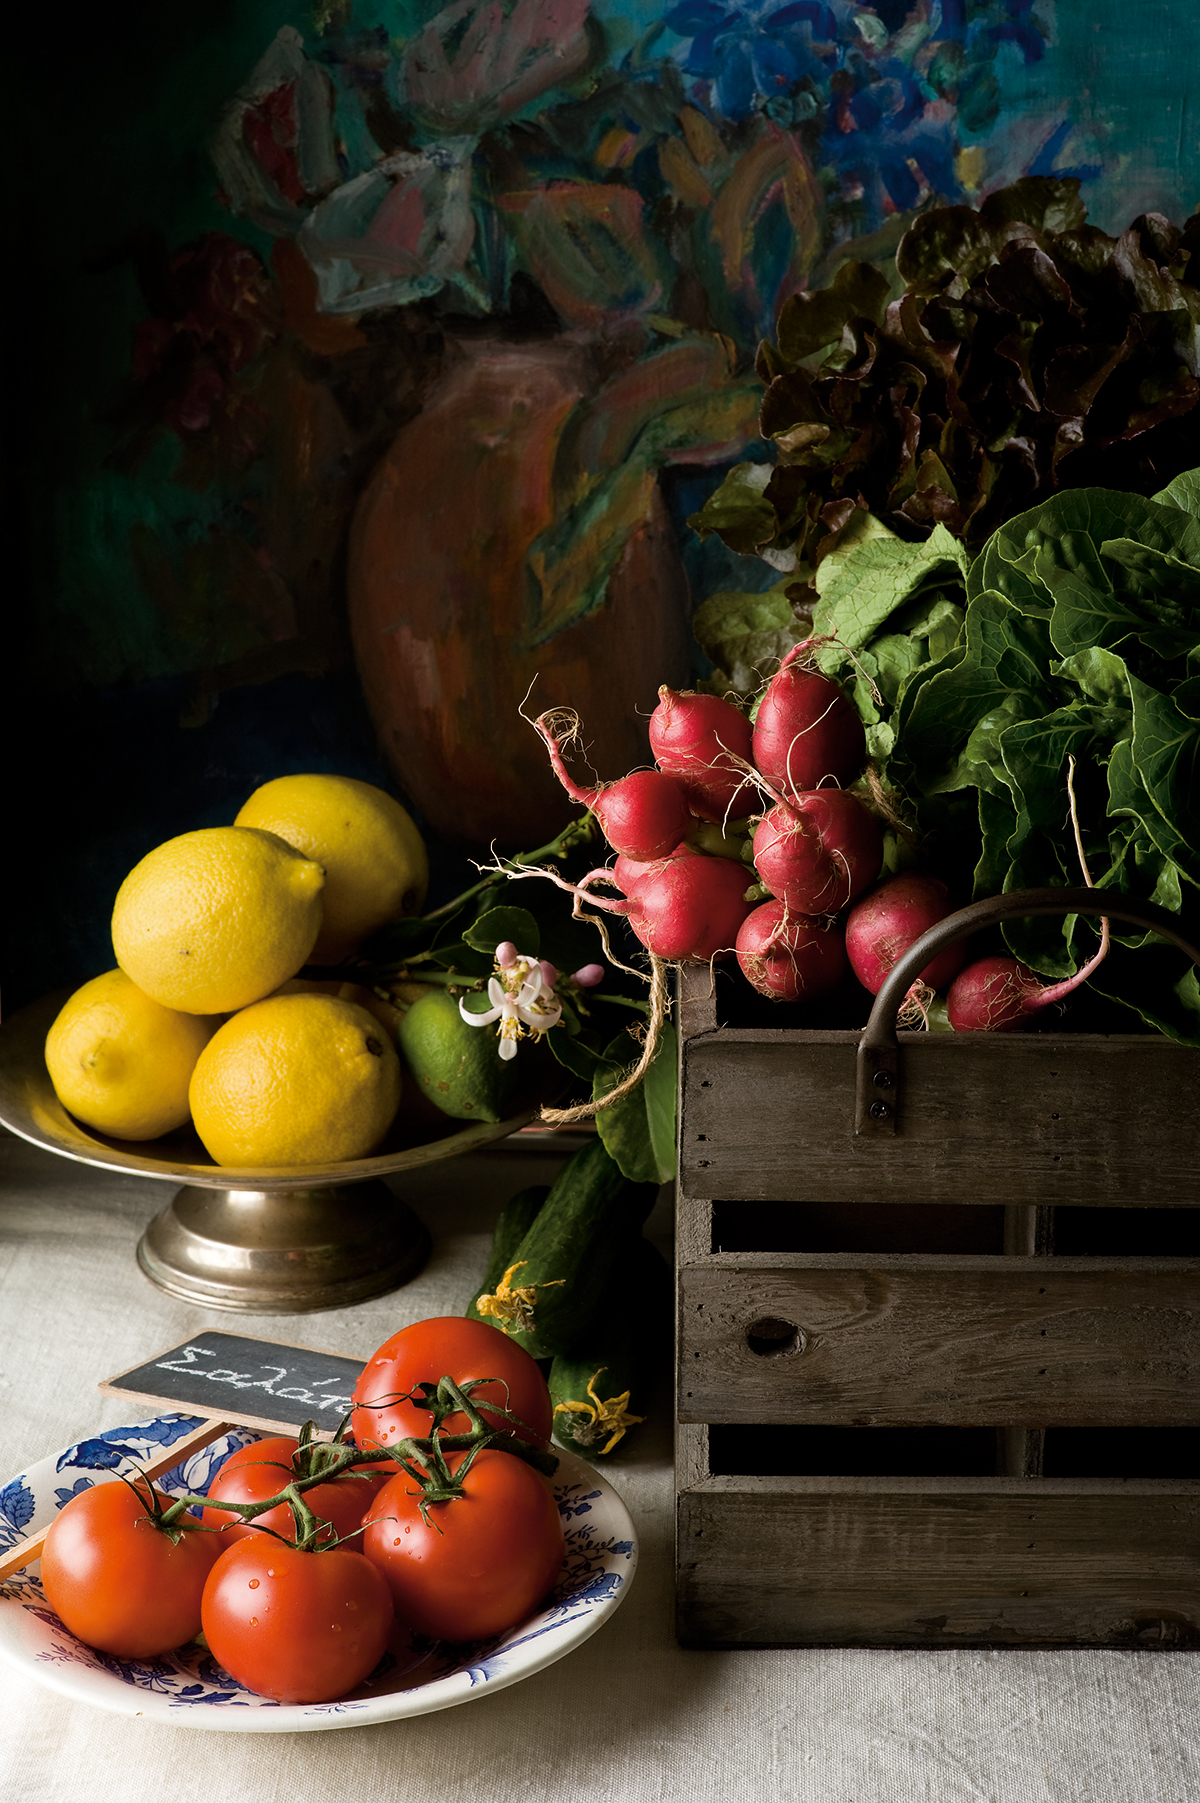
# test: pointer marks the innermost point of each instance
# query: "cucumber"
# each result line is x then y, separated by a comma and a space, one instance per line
602, 1391
565, 1271
513, 1223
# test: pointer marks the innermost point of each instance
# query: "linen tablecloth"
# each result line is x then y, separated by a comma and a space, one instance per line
629, 1717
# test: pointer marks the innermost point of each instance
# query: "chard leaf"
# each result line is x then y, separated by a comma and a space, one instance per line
1100, 674
1005, 653
943, 627
1003, 568
1183, 492
1187, 697
1166, 751
1127, 794
1041, 847
980, 765
1157, 983
1162, 588
1137, 867
1054, 551
997, 821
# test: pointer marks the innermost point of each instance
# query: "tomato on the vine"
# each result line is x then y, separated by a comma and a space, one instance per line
118, 1581
480, 1562
254, 1473
448, 1345
297, 1626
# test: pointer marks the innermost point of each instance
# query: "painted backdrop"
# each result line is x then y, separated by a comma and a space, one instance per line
368, 359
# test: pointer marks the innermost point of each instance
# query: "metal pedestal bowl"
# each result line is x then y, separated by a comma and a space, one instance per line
273, 1241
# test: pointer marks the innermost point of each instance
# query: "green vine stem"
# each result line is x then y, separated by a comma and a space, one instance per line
583, 830
425, 1461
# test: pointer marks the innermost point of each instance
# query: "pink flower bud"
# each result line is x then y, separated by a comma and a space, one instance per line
549, 973
589, 976
506, 954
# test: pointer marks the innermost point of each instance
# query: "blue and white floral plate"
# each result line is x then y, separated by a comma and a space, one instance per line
188, 1686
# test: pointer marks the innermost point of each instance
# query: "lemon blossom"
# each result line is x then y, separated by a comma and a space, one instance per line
522, 997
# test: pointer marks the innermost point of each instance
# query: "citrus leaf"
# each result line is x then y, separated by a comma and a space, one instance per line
638, 1132
492, 928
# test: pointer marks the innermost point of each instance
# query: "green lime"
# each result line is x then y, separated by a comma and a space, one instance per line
456, 1065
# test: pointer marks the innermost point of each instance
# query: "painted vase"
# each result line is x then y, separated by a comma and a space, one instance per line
439, 601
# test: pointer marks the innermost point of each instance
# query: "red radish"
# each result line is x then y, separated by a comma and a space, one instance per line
818, 852
999, 994
643, 815
885, 923
628, 874
806, 732
690, 907
790, 957
692, 738
687, 907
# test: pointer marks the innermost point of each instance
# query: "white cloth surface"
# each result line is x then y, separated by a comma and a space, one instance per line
629, 1717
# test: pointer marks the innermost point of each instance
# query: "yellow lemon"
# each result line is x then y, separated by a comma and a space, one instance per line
216, 919
374, 859
121, 1062
295, 1079
387, 1015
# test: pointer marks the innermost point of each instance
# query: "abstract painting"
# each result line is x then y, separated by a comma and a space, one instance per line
375, 354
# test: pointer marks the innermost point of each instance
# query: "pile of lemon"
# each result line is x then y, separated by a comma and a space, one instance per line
204, 1016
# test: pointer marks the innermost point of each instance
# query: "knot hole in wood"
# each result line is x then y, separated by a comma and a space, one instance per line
771, 1338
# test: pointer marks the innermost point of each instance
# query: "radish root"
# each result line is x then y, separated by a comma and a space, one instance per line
583, 1111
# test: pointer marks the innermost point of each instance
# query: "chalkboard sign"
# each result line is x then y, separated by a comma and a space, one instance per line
250, 1383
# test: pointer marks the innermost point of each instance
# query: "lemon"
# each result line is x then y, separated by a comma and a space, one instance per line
384, 1012
295, 1079
121, 1062
374, 859
457, 1066
216, 919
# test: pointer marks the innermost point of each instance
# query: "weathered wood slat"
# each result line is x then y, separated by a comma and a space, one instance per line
938, 1563
1033, 1120
928, 1339
995, 1342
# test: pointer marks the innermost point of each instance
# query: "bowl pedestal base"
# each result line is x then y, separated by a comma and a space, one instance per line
283, 1251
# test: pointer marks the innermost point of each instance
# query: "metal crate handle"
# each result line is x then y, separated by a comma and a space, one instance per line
878, 1080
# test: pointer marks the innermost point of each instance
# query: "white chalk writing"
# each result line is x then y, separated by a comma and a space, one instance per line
246, 1380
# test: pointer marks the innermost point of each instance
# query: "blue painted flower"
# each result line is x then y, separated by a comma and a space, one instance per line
756, 51
891, 80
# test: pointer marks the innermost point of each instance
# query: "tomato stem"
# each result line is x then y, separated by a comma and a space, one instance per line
425, 1461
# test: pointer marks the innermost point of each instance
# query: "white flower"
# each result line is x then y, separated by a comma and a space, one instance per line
522, 999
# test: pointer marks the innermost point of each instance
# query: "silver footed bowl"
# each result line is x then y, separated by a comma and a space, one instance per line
262, 1240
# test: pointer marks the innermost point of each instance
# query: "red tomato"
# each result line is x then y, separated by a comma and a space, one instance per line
484, 1561
255, 1472
297, 1626
120, 1583
448, 1345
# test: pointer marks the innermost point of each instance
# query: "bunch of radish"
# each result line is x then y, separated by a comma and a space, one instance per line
680, 832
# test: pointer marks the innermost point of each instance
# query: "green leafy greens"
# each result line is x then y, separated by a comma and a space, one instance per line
1074, 634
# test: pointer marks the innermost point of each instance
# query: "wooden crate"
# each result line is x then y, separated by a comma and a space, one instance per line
938, 1387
